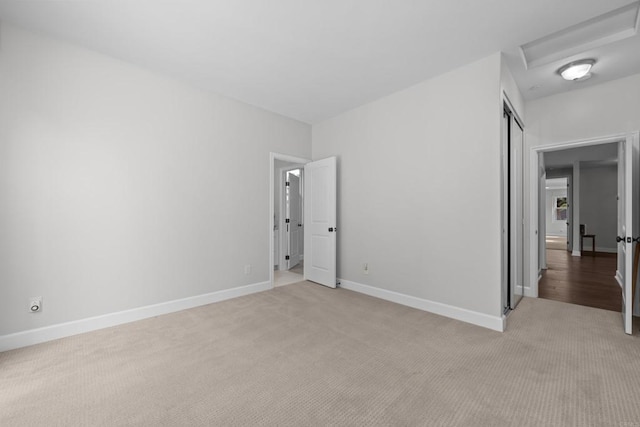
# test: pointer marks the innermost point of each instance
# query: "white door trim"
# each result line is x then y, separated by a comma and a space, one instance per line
532, 289
272, 169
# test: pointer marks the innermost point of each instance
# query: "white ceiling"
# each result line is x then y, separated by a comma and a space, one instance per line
614, 59
590, 156
313, 59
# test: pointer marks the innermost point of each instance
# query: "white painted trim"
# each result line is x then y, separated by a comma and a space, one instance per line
61, 330
533, 182
496, 323
618, 277
272, 159
576, 253
574, 202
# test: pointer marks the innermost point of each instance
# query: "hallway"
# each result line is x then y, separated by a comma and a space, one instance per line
585, 280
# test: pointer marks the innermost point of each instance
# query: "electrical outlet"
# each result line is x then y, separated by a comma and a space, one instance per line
247, 269
35, 304
365, 268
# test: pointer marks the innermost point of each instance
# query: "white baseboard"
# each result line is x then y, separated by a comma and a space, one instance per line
61, 330
605, 250
529, 292
496, 323
587, 251
619, 279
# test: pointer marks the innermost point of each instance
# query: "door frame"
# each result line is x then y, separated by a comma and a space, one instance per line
282, 178
542, 221
272, 170
532, 289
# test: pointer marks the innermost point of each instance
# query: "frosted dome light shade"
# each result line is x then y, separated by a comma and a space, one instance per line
576, 70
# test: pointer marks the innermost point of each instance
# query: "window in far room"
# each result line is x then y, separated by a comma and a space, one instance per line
560, 208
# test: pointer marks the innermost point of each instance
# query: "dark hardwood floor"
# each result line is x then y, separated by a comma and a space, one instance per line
586, 280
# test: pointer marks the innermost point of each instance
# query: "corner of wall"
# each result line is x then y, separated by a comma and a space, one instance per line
510, 89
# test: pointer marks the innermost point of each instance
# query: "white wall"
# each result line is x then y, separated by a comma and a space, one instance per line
606, 109
510, 89
121, 188
598, 205
419, 192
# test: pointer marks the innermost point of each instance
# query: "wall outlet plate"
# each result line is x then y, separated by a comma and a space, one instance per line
35, 304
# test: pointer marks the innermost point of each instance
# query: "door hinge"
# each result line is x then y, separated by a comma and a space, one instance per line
286, 220
287, 257
286, 184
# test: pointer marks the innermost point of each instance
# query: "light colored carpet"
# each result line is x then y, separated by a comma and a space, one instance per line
307, 355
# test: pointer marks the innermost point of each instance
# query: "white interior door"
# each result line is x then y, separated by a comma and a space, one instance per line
320, 221
627, 218
294, 226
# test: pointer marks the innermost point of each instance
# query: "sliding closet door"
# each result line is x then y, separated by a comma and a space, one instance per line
512, 210
516, 218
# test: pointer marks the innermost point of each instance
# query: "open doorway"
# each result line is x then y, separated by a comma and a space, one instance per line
288, 221
580, 193
317, 218
556, 213
290, 226
602, 211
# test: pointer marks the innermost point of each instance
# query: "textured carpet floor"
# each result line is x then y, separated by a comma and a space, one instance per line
308, 355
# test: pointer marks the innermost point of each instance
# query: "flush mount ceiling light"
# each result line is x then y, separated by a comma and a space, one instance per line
576, 70
602, 30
